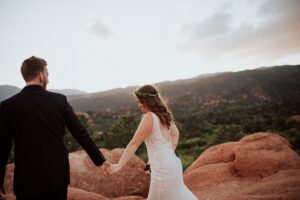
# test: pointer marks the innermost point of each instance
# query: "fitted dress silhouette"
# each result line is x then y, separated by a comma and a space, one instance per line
166, 168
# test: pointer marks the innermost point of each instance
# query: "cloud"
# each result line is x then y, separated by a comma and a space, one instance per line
214, 26
276, 36
99, 29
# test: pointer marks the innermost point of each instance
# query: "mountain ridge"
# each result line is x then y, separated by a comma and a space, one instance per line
261, 85
7, 91
257, 85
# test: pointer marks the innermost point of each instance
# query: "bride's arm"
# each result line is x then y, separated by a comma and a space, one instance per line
174, 135
141, 133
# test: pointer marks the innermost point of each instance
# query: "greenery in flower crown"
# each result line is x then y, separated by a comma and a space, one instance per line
144, 94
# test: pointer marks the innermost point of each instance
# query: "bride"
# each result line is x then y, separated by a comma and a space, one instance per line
160, 134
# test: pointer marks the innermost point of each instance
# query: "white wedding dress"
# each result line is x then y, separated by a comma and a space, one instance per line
166, 168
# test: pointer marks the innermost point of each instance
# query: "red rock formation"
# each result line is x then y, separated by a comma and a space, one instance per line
259, 166
295, 118
129, 198
78, 194
9, 177
131, 180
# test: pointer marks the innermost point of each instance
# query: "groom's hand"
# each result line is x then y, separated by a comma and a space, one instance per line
105, 166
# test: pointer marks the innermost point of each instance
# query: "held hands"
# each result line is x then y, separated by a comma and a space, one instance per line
104, 167
108, 169
113, 169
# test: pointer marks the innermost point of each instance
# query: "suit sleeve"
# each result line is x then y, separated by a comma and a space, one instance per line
80, 134
5, 142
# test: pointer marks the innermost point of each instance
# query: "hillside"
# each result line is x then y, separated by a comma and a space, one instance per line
263, 85
7, 91
68, 92
208, 110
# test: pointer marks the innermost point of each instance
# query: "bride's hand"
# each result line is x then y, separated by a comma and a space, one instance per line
113, 169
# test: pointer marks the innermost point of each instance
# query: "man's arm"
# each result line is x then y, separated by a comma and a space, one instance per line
80, 134
5, 145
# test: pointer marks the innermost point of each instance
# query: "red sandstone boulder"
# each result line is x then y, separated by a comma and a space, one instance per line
10, 196
131, 180
129, 198
264, 154
282, 185
9, 177
295, 118
78, 194
8, 182
259, 166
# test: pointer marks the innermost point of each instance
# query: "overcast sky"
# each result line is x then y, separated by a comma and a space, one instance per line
95, 45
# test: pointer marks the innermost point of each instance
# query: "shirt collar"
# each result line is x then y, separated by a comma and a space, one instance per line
33, 88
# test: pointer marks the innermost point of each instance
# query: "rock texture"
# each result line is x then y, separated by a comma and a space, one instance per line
78, 194
259, 166
131, 180
129, 198
295, 118
9, 177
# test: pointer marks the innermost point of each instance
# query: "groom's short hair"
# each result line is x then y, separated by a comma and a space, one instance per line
31, 67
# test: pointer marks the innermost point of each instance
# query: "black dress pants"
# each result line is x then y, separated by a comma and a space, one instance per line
59, 195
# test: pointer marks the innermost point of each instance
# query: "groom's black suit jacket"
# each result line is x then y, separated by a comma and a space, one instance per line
35, 120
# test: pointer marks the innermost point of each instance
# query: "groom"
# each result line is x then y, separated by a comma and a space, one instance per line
35, 120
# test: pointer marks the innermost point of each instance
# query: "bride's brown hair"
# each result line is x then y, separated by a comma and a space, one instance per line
149, 96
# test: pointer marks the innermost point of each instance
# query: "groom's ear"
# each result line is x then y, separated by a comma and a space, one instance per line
41, 77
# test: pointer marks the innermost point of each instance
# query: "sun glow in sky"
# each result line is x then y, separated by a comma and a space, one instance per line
96, 45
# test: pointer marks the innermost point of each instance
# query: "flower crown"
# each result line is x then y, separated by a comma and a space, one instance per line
145, 94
